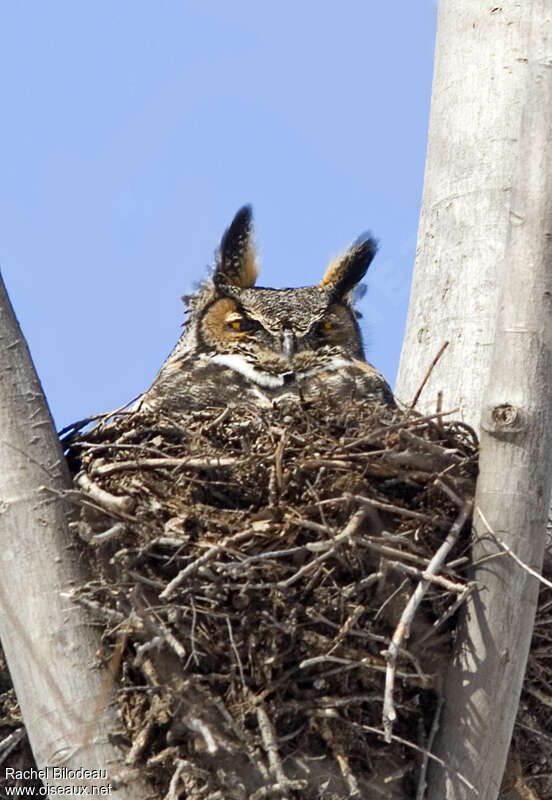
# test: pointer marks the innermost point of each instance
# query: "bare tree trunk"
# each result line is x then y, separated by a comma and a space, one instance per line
49, 646
485, 242
473, 149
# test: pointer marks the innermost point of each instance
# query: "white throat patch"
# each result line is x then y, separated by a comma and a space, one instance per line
240, 364
270, 381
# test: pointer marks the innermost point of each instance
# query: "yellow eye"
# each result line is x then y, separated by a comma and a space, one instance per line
242, 324
326, 327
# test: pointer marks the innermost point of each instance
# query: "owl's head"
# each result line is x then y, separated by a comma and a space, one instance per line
274, 337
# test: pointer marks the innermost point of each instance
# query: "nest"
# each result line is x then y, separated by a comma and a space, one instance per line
257, 573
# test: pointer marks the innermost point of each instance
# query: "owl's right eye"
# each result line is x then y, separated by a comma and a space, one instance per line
243, 324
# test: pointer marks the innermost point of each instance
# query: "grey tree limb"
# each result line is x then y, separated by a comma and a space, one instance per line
483, 281
50, 646
473, 148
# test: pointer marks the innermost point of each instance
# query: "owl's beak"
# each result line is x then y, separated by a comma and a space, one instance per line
288, 342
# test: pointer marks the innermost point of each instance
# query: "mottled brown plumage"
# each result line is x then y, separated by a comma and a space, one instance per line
245, 342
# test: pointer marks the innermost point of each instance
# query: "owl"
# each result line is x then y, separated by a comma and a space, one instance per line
243, 342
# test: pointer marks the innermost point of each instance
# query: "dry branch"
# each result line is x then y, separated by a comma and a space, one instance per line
402, 630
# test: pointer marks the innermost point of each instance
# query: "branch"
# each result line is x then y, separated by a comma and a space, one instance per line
49, 648
402, 630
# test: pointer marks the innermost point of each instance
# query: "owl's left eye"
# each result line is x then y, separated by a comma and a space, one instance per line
243, 324
326, 326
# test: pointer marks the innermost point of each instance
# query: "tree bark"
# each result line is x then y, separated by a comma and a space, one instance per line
49, 646
485, 244
473, 148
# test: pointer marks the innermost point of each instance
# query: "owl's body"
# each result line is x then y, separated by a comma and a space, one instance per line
246, 343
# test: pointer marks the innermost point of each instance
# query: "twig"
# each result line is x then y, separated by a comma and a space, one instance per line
207, 556
403, 628
163, 541
387, 600
439, 406
541, 697
450, 493
311, 525
440, 761
246, 562
391, 552
536, 730
192, 462
91, 447
199, 725
141, 650
451, 586
235, 651
305, 568
442, 454
404, 539
338, 753
74, 426
349, 530
169, 755
329, 546
268, 736
139, 743
345, 629
463, 426
415, 423
117, 530
422, 462
452, 609
355, 588
193, 650
425, 380
403, 512
335, 463
217, 420
331, 702
369, 662
10, 742
92, 605
275, 790
110, 502
511, 553
173, 793
171, 640
420, 793
276, 482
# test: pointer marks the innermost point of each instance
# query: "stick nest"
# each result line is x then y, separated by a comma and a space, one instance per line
251, 568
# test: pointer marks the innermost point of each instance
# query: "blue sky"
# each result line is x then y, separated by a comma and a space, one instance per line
131, 133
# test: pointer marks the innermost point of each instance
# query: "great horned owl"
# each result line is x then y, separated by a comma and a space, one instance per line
244, 342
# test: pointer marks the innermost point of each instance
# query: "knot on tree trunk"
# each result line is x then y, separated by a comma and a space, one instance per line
504, 419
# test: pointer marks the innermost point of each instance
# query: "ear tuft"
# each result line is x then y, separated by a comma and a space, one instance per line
236, 257
345, 272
